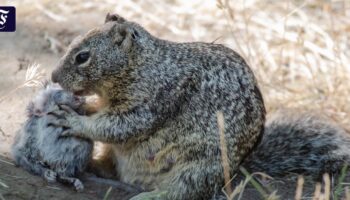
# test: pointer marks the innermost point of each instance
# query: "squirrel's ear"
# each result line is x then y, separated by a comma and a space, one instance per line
114, 18
124, 36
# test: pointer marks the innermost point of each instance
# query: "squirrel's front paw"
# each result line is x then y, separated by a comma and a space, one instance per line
79, 186
68, 119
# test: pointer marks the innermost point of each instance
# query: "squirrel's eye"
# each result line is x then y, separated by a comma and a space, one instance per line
82, 57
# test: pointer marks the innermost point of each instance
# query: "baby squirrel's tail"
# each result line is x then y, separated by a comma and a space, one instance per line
300, 143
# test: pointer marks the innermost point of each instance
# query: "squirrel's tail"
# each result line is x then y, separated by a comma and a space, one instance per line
302, 144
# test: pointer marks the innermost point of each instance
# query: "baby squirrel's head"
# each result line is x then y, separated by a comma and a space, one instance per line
50, 97
101, 57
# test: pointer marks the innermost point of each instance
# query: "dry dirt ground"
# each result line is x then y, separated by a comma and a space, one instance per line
22, 185
44, 29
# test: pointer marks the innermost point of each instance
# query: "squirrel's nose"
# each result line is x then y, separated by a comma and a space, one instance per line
54, 76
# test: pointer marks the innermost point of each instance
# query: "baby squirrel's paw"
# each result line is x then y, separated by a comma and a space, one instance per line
71, 181
79, 186
66, 118
50, 176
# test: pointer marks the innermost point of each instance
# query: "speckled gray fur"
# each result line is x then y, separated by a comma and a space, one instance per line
38, 146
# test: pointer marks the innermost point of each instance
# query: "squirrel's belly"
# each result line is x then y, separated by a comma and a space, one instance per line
136, 172
146, 166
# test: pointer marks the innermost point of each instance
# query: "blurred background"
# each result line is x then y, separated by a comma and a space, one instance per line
299, 50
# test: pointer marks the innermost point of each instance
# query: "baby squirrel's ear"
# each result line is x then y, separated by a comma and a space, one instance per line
114, 18
46, 83
30, 109
124, 36
33, 111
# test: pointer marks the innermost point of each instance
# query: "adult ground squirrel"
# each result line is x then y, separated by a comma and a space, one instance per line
162, 100
38, 147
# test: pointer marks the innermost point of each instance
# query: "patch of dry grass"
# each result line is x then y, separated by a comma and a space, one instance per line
299, 51
33, 78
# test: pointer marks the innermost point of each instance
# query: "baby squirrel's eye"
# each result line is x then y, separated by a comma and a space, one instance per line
82, 57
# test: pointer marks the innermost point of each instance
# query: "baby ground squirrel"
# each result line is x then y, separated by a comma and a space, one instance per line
162, 100
39, 147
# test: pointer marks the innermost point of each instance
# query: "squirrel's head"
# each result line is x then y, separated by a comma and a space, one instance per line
101, 57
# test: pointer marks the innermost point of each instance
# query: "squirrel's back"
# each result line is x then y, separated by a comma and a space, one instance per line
300, 143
